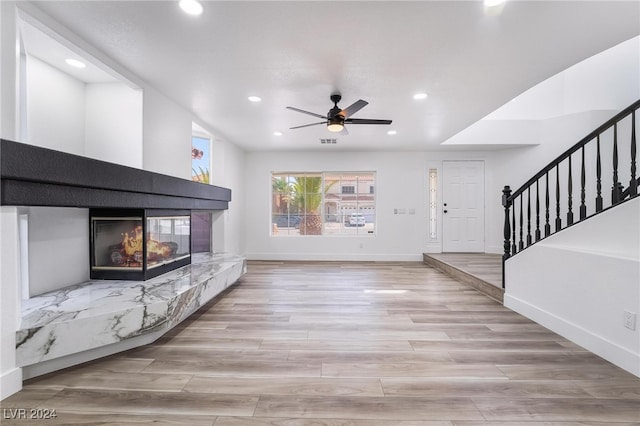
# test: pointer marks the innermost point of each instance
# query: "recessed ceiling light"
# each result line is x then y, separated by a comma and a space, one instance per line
419, 96
391, 132
493, 3
254, 98
191, 7
277, 133
75, 63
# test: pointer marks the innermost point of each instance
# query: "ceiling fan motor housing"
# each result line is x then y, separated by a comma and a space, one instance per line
336, 119
334, 113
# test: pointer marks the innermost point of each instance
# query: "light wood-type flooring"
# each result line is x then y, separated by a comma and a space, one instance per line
343, 344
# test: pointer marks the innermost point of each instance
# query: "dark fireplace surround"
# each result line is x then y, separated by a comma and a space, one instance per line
35, 176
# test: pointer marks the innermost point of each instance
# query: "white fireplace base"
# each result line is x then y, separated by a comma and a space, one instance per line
99, 317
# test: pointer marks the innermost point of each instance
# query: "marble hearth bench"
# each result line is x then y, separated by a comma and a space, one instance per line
100, 317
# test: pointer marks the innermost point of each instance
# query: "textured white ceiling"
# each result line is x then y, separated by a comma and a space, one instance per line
297, 53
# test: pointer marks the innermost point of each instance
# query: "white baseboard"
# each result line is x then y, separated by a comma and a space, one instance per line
10, 382
408, 257
494, 249
616, 354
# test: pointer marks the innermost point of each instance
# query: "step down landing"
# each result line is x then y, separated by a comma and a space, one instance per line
481, 271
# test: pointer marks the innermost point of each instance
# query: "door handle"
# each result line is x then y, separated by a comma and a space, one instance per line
444, 211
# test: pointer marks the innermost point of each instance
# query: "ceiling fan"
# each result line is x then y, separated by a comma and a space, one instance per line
336, 118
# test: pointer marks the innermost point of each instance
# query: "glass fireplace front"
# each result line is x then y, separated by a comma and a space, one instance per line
136, 244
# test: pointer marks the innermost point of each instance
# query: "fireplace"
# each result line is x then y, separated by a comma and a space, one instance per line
138, 244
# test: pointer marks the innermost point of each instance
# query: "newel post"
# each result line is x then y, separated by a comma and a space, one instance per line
506, 203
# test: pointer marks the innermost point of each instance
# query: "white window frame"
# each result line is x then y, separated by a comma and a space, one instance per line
340, 212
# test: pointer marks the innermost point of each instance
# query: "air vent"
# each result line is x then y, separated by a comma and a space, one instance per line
328, 141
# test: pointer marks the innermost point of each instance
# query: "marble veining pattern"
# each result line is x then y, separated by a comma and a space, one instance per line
102, 312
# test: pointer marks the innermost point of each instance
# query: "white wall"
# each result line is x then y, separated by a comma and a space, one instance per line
58, 242
579, 282
228, 172
167, 136
9, 76
608, 80
113, 123
401, 183
96, 120
10, 376
55, 109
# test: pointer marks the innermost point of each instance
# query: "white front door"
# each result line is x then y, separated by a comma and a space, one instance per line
463, 206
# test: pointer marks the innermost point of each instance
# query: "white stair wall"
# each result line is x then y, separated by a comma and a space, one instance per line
579, 283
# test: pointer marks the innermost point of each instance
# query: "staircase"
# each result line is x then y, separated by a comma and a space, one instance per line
571, 187
571, 258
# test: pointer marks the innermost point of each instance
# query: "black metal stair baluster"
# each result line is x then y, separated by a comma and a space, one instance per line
558, 220
570, 197
514, 248
583, 181
521, 242
633, 183
537, 210
598, 177
506, 193
615, 193
528, 216
547, 226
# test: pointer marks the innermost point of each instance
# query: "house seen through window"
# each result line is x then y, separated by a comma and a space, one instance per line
326, 203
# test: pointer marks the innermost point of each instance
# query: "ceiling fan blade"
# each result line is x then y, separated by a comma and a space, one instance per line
353, 108
307, 112
344, 131
366, 121
308, 125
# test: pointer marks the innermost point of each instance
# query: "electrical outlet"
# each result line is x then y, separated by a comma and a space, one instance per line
630, 320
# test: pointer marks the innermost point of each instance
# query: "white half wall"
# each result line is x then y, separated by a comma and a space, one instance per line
580, 282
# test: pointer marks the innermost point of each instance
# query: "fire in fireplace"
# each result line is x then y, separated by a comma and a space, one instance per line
138, 244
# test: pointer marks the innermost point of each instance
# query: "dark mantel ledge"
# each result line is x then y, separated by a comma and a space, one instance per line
36, 176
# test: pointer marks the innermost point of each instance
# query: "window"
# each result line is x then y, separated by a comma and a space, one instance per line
201, 159
329, 203
433, 204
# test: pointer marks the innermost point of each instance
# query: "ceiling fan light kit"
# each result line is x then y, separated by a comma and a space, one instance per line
336, 124
336, 118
